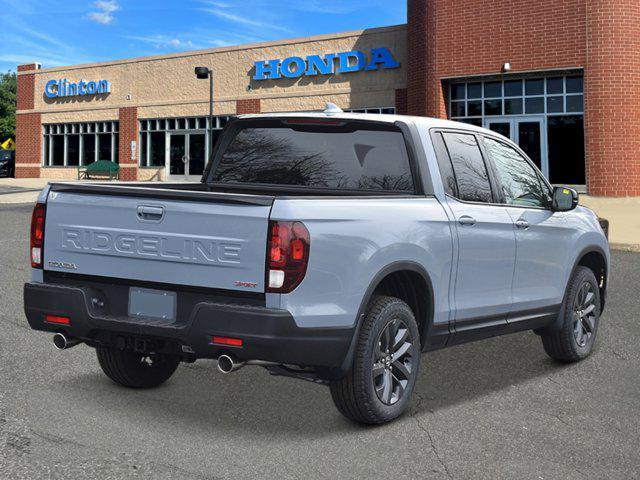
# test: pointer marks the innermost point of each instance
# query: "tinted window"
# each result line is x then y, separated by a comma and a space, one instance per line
347, 157
471, 173
520, 182
444, 164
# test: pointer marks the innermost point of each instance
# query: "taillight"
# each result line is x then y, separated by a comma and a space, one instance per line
37, 234
287, 255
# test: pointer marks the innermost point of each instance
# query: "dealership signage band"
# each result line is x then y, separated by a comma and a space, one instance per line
347, 62
64, 88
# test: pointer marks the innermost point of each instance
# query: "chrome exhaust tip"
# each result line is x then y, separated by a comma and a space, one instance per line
62, 342
227, 364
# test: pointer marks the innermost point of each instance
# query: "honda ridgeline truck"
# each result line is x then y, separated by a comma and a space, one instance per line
329, 247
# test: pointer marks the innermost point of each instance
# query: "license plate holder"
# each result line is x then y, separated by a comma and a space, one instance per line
149, 303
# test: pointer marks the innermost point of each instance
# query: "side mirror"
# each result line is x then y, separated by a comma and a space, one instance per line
564, 199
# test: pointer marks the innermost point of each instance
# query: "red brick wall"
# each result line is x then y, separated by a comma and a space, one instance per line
249, 105
28, 144
128, 118
25, 91
612, 96
27, 66
401, 101
28, 126
418, 36
450, 38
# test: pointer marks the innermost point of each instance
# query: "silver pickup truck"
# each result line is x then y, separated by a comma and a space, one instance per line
329, 247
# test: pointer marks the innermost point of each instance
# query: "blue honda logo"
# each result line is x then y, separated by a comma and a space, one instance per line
347, 62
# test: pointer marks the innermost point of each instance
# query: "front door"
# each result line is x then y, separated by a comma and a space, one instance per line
528, 133
186, 156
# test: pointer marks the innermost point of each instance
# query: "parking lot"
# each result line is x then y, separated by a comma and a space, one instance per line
499, 408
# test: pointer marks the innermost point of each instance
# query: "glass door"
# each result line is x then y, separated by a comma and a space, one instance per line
177, 156
197, 155
186, 156
528, 133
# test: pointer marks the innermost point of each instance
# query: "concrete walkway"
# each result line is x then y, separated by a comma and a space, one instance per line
623, 213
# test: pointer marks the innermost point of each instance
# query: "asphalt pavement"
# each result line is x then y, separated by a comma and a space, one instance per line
494, 409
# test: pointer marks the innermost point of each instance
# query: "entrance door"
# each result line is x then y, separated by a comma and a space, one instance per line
528, 133
186, 156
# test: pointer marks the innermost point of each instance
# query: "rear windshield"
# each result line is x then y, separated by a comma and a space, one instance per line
5, 154
346, 157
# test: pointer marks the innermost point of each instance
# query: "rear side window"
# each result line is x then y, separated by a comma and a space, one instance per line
472, 178
344, 157
444, 164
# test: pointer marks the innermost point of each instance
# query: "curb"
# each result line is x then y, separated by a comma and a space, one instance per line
625, 247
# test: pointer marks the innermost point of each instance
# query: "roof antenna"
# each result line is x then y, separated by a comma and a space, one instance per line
332, 109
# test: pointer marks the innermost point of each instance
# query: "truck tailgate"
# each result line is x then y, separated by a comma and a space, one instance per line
205, 243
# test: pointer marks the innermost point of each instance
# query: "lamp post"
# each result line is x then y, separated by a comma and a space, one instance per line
204, 73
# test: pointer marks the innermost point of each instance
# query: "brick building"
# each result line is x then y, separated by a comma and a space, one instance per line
560, 78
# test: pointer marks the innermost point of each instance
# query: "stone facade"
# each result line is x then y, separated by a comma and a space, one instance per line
166, 87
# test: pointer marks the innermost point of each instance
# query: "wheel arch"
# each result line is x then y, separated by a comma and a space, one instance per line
380, 284
595, 259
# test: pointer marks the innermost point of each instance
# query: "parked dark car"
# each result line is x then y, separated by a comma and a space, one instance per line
7, 163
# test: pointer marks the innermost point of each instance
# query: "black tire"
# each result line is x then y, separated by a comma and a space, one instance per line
576, 337
359, 395
135, 370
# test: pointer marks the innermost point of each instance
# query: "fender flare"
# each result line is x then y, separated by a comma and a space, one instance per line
391, 268
557, 323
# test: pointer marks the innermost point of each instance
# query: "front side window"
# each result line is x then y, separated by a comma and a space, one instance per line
470, 170
341, 157
521, 185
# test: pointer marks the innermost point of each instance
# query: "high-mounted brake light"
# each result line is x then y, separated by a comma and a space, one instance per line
37, 234
287, 255
313, 121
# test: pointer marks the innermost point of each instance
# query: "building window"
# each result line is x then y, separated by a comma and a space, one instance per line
77, 144
543, 115
472, 102
374, 110
154, 134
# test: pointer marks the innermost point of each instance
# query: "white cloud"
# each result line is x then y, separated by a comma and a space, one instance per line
105, 8
164, 41
232, 17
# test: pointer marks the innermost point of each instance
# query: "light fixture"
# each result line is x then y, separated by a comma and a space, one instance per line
506, 67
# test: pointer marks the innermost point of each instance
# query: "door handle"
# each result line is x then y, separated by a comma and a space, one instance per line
522, 224
466, 220
150, 214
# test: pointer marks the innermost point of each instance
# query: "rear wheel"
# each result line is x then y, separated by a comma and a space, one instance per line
580, 318
378, 387
136, 370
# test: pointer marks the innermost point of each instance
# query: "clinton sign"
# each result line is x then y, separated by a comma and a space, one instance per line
331, 63
64, 88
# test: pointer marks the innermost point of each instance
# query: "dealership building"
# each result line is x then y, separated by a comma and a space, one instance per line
561, 79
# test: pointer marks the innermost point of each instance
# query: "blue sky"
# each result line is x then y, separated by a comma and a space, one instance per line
59, 33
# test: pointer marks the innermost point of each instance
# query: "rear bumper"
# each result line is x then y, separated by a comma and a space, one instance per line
267, 334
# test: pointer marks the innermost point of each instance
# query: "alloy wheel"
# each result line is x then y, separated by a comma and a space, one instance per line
393, 362
584, 313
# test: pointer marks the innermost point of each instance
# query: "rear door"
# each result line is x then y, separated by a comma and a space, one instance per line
213, 243
486, 252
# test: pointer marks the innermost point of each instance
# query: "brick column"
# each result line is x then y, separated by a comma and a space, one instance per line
28, 126
418, 57
128, 118
401, 101
248, 105
612, 90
